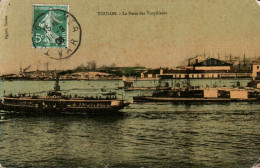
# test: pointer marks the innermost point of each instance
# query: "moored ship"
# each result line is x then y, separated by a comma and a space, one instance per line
202, 95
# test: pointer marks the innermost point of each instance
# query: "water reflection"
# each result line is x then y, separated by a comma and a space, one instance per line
164, 139
58, 140
147, 134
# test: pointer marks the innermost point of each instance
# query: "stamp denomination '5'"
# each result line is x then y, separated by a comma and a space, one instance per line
50, 26
55, 31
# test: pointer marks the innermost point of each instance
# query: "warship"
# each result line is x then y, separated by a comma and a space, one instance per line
190, 94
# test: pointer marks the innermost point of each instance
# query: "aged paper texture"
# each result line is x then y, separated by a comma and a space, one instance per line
129, 83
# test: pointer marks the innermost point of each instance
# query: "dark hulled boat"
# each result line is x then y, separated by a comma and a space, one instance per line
55, 102
61, 104
190, 95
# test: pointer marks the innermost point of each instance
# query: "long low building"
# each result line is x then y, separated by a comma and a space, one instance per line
194, 74
209, 68
202, 74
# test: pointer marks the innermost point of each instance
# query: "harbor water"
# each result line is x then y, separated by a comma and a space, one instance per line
142, 135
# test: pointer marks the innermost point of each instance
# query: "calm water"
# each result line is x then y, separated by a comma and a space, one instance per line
148, 135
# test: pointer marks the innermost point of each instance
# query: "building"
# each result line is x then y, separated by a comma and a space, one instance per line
202, 74
210, 68
195, 60
256, 69
212, 64
152, 73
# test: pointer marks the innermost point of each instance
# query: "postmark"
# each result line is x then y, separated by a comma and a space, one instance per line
55, 31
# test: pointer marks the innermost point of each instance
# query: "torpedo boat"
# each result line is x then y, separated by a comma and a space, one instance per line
190, 95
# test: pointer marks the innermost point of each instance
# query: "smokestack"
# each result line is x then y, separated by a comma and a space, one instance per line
57, 83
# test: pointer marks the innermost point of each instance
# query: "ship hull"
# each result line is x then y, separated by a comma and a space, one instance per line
202, 95
61, 106
57, 111
189, 100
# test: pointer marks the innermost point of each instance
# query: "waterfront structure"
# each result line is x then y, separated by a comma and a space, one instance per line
212, 64
208, 68
203, 74
195, 60
32, 75
51, 75
256, 69
237, 62
152, 73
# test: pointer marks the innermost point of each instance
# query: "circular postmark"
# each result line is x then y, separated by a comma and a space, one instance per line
56, 32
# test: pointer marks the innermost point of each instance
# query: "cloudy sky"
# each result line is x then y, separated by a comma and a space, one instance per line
188, 29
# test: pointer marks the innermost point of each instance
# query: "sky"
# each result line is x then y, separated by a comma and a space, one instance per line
190, 28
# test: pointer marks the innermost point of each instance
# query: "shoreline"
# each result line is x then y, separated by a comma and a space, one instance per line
130, 79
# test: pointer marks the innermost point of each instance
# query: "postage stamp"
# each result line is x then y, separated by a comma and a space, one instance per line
55, 31
50, 26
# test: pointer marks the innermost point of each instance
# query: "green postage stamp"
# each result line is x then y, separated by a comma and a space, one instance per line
50, 26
